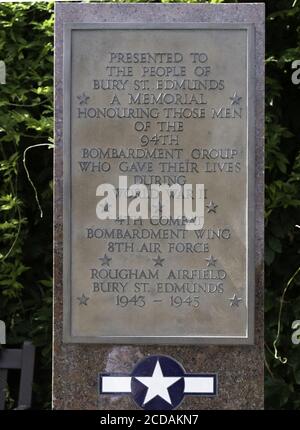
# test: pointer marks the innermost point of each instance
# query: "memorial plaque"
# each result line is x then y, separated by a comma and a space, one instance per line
159, 104
148, 96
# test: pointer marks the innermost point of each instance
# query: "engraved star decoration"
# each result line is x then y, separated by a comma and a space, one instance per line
235, 99
105, 260
83, 99
157, 384
158, 261
211, 207
211, 261
83, 300
235, 301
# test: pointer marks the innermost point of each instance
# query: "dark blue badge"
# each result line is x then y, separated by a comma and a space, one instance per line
158, 382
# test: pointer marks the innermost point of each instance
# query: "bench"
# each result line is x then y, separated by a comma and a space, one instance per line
22, 359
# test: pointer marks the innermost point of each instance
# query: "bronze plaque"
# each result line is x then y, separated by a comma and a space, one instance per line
159, 104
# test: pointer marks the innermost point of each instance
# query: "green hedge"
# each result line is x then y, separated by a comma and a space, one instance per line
282, 201
26, 112
26, 118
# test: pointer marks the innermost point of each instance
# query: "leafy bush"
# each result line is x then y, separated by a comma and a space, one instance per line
26, 46
282, 201
26, 43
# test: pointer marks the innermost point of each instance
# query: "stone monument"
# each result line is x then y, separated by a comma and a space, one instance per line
157, 98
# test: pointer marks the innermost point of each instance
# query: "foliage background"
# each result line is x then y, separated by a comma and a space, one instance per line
26, 118
26, 115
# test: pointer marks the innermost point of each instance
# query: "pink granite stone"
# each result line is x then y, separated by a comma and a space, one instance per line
76, 366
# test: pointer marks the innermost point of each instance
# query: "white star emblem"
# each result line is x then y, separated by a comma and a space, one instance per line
157, 384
